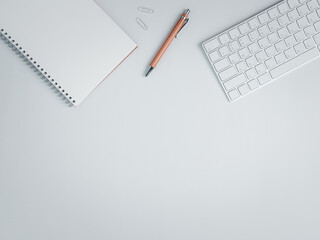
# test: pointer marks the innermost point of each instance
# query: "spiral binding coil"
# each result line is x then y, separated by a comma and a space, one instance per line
30, 61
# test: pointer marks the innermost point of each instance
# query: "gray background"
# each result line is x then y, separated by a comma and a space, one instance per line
164, 157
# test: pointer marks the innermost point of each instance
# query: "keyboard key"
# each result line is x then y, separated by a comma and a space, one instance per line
283, 7
294, 63
253, 84
224, 51
303, 22
317, 26
264, 30
234, 82
214, 56
234, 33
309, 31
234, 58
244, 89
293, 3
290, 41
271, 51
283, 20
244, 28
253, 48
261, 56
300, 36
244, 41
299, 48
263, 79
303, 10
254, 23
273, 13
293, 15
289, 53
283, 32
263, 18
280, 58
234, 46
261, 69
273, 37
254, 35
293, 27
263, 43
242, 66
280, 46
251, 74
309, 43
228, 73
234, 94
251, 61
317, 38
271, 63
224, 38
244, 53
312, 5
273, 25
222, 64
312, 17
212, 45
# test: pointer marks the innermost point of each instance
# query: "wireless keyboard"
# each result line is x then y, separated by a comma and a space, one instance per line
266, 46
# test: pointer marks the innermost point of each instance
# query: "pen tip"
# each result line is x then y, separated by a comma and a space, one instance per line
149, 71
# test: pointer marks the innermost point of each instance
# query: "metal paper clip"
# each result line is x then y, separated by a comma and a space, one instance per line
145, 10
141, 24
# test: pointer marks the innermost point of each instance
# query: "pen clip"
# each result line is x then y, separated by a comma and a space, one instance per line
185, 23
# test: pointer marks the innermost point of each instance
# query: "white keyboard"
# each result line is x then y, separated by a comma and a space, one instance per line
265, 47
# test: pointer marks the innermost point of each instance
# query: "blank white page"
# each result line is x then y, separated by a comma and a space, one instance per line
74, 41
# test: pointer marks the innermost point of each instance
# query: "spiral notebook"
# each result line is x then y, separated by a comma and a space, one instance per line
73, 44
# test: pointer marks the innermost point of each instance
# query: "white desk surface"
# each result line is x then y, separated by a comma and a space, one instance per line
164, 157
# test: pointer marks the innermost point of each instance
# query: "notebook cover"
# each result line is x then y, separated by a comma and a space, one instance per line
74, 43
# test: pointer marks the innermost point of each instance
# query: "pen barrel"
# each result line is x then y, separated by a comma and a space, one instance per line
168, 41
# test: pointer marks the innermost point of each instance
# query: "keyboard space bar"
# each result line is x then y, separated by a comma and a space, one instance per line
294, 63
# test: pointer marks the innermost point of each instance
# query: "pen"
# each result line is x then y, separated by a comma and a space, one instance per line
180, 24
